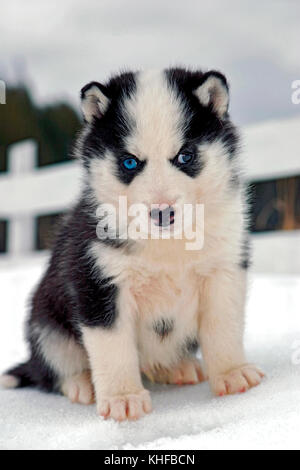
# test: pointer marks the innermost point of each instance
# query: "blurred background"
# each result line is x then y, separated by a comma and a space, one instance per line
51, 49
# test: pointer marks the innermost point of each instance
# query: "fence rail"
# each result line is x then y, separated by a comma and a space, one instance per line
27, 192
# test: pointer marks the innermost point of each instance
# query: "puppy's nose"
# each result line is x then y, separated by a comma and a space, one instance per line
163, 217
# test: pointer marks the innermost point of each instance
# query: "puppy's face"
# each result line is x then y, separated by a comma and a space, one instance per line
159, 138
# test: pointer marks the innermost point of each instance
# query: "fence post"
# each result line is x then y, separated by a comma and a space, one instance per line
2, 92
21, 232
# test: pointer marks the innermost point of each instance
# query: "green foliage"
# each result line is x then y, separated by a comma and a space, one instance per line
53, 127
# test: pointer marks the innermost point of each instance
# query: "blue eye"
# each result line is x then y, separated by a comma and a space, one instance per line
130, 163
184, 158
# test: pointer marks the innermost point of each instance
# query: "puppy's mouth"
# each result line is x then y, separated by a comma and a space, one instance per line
163, 218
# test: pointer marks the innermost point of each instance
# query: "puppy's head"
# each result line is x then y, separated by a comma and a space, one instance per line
160, 138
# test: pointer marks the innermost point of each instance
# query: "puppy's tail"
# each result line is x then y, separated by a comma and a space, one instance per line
17, 377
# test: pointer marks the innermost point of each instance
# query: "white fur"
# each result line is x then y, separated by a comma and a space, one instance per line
115, 367
65, 355
213, 91
108, 349
159, 119
94, 103
203, 291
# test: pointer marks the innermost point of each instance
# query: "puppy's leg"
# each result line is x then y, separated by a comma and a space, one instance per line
221, 333
115, 369
79, 388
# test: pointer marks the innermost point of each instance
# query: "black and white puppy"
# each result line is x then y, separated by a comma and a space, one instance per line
111, 309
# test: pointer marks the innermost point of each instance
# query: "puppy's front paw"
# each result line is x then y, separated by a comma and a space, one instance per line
123, 407
237, 380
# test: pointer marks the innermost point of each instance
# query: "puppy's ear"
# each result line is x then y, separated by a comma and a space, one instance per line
94, 101
214, 92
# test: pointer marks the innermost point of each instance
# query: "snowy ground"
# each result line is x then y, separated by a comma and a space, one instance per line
183, 417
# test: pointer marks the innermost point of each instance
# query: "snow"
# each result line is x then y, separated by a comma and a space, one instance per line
184, 417
284, 242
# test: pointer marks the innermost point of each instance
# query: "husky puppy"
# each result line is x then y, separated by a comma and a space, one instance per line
111, 309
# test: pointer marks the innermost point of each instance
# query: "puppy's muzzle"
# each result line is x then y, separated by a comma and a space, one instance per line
163, 217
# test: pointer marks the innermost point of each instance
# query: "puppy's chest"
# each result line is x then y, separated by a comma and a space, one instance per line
167, 308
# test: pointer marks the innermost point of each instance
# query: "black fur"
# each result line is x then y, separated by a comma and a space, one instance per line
192, 168
109, 132
190, 346
163, 327
74, 292
245, 261
126, 176
204, 124
36, 372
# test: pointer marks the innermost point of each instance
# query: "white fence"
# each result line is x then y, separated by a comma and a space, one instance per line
27, 192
